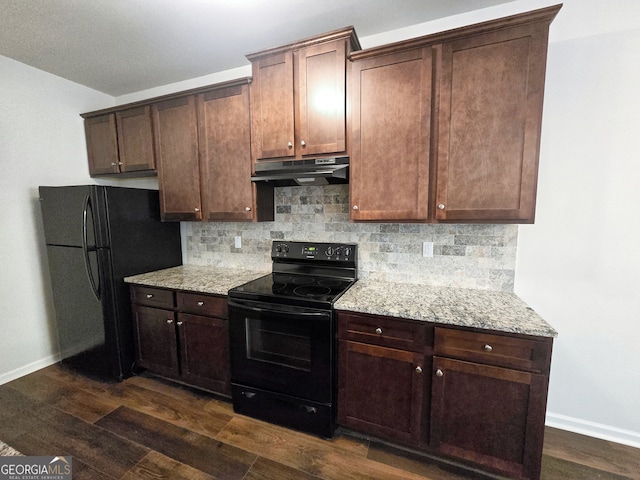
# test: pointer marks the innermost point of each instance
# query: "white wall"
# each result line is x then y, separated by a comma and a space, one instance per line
578, 265
41, 143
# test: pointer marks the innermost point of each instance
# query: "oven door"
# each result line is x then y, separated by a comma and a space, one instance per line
282, 349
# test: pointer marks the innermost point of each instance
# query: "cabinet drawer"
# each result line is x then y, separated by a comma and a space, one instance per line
152, 297
201, 304
384, 331
520, 353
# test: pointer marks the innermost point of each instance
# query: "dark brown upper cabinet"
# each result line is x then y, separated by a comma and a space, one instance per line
298, 97
176, 139
446, 127
120, 142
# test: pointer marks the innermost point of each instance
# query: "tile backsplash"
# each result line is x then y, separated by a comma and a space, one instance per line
474, 256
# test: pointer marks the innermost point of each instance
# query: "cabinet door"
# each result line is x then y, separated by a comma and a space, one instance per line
391, 115
156, 341
489, 125
320, 115
176, 141
204, 351
135, 139
490, 416
272, 106
225, 154
380, 391
102, 144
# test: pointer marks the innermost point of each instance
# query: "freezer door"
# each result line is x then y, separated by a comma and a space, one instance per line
63, 215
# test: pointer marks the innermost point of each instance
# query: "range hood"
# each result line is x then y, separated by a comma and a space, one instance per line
318, 171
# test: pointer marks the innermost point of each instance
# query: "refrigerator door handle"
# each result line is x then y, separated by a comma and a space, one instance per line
86, 248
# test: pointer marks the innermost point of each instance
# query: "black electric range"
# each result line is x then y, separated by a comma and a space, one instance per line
282, 331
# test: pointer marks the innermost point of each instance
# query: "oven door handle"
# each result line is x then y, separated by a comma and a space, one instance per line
271, 309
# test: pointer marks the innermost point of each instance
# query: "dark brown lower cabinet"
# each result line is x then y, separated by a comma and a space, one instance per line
182, 336
489, 415
474, 396
381, 391
156, 340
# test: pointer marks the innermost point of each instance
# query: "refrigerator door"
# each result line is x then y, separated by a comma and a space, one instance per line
79, 319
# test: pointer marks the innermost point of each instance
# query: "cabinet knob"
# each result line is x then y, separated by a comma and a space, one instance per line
200, 304
149, 295
487, 348
418, 369
289, 144
169, 320
247, 209
302, 143
379, 331
113, 164
355, 207
439, 373
441, 206
179, 323
120, 163
196, 209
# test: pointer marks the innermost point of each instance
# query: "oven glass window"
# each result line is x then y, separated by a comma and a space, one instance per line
278, 343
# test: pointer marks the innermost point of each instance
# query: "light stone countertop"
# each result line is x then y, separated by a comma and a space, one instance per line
464, 307
196, 278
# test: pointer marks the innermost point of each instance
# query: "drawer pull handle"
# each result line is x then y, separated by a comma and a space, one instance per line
418, 369
379, 331
149, 295
200, 304
439, 373
488, 348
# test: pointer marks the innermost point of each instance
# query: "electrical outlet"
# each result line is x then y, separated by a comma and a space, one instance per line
427, 249
238, 241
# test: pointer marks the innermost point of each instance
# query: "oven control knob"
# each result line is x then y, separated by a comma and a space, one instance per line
338, 251
285, 248
347, 251
329, 251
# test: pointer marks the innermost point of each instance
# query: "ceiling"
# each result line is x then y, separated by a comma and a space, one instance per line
124, 46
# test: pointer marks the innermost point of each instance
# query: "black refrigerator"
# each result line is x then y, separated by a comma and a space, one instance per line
95, 237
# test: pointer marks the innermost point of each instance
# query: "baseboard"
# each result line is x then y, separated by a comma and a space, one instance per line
592, 429
27, 369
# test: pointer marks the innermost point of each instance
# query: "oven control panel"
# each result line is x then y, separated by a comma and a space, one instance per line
309, 251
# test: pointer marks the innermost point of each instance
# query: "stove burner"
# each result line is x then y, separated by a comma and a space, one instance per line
329, 282
311, 291
277, 286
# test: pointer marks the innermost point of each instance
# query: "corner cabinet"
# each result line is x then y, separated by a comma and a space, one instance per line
446, 127
298, 97
472, 396
182, 336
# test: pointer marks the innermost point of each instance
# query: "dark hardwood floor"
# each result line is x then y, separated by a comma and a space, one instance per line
148, 428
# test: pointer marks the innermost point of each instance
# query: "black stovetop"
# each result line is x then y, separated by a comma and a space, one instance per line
304, 273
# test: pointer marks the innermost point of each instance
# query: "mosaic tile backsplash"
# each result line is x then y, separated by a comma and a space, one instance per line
472, 256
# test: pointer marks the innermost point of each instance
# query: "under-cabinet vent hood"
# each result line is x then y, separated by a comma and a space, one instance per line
318, 171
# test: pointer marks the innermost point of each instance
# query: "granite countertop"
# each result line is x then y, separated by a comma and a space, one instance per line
464, 307
196, 278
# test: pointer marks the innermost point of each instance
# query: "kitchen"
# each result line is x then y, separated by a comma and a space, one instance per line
571, 270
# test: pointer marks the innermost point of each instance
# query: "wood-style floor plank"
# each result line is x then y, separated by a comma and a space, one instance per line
305, 453
597, 454
265, 469
186, 446
156, 466
187, 412
64, 433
